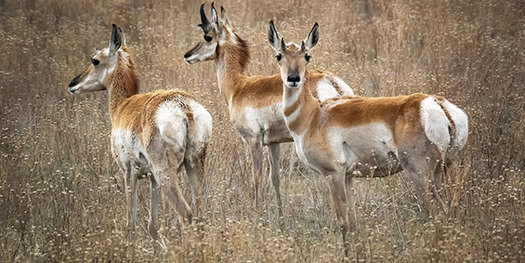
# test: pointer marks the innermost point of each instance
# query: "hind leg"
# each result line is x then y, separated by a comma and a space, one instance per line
194, 165
154, 206
165, 166
420, 160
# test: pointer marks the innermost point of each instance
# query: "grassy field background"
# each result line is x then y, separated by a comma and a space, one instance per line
61, 195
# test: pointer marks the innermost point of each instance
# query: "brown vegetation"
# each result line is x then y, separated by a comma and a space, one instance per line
61, 196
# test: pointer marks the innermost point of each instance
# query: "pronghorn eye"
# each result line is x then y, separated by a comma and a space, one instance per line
95, 61
279, 57
207, 38
307, 57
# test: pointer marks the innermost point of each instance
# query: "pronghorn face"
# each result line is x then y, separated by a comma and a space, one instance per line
215, 35
102, 64
291, 57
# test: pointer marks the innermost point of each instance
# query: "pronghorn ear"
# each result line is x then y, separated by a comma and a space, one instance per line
215, 17
224, 17
116, 39
274, 39
313, 37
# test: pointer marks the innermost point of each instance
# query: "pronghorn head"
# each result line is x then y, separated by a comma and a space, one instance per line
217, 32
102, 65
291, 57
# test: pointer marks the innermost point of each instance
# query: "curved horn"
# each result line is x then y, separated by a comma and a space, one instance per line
204, 20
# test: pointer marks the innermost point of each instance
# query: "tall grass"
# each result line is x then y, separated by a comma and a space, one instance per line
61, 196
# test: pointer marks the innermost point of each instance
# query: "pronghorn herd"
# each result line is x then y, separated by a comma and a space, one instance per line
337, 134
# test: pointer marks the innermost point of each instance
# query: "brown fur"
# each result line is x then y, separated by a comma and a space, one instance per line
262, 91
392, 111
252, 91
136, 112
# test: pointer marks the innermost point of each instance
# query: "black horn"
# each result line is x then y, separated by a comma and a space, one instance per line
204, 21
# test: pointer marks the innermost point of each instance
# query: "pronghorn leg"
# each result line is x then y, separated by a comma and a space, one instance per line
437, 186
134, 196
257, 158
177, 199
420, 161
274, 170
125, 169
166, 166
195, 171
419, 178
154, 206
350, 196
336, 182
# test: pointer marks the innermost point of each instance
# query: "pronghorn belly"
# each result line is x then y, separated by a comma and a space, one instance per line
266, 122
365, 150
130, 152
331, 87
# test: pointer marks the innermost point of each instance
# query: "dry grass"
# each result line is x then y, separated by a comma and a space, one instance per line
61, 195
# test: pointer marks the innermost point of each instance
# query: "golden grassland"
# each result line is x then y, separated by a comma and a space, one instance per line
61, 195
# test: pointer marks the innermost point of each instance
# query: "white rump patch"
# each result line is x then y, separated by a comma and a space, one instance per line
435, 123
325, 90
461, 121
170, 120
203, 123
343, 86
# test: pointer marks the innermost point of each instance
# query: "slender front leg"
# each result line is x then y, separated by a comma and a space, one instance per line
154, 206
336, 182
257, 158
126, 173
274, 170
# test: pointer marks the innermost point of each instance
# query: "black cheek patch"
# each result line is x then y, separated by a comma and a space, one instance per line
76, 80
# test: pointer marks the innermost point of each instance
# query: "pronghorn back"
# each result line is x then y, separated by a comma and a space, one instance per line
138, 113
443, 123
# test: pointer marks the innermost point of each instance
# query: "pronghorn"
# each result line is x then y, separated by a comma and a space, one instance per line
157, 132
254, 102
348, 137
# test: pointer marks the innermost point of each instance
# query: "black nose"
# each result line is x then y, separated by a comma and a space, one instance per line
187, 55
293, 78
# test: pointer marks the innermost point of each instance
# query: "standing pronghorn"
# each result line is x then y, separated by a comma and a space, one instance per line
254, 102
155, 132
349, 137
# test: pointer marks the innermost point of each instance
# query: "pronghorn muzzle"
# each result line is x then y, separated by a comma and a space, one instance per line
75, 82
293, 78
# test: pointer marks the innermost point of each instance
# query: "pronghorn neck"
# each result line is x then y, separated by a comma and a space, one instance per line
231, 64
300, 108
123, 81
